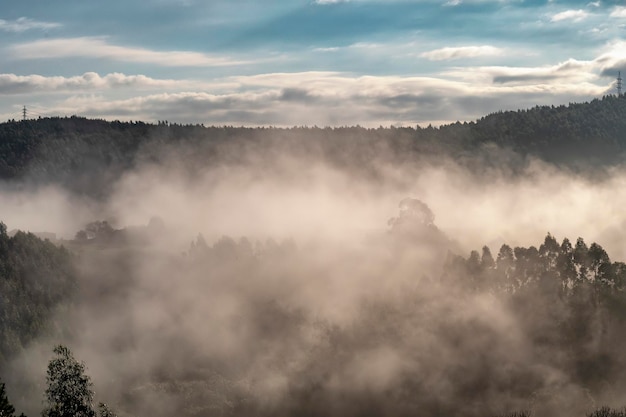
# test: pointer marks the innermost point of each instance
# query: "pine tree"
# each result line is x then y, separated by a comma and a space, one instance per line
6, 408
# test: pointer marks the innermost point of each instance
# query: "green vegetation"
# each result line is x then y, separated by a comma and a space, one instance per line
608, 412
36, 277
517, 414
69, 392
6, 408
87, 156
212, 332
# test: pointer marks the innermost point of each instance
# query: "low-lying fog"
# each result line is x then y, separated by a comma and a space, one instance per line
301, 297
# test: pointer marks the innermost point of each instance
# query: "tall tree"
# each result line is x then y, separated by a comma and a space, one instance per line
69, 392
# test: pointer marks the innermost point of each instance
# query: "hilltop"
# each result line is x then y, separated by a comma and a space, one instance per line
87, 156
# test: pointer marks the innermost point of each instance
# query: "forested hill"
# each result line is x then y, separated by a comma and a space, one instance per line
88, 155
577, 132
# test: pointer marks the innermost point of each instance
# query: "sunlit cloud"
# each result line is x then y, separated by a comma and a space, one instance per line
612, 59
328, 49
16, 84
334, 98
330, 97
23, 24
572, 15
462, 52
619, 12
585, 77
99, 47
329, 1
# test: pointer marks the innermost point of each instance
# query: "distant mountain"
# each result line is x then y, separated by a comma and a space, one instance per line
87, 156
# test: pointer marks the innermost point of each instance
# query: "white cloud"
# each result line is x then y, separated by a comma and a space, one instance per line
462, 52
331, 98
329, 1
613, 58
325, 98
98, 47
573, 15
618, 12
329, 49
24, 84
23, 24
566, 76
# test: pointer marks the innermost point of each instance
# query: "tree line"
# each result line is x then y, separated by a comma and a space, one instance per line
567, 300
87, 156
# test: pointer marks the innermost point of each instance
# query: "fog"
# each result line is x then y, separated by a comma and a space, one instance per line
281, 284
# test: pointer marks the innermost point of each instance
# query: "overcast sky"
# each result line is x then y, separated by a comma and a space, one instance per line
305, 62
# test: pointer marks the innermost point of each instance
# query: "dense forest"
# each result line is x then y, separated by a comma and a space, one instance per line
37, 277
567, 302
88, 156
273, 279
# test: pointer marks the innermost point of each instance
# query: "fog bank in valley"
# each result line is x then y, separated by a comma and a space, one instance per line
281, 284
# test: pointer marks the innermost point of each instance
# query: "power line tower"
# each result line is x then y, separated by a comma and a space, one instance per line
24, 113
619, 83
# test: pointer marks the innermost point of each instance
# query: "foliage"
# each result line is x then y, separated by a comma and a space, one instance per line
69, 392
522, 413
556, 269
35, 278
607, 412
88, 156
567, 300
105, 411
6, 408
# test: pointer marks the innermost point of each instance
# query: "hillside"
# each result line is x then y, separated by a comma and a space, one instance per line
572, 134
272, 279
36, 278
87, 156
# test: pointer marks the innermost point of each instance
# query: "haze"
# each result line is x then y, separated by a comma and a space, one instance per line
283, 285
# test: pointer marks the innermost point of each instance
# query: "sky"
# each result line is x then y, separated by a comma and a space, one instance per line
305, 62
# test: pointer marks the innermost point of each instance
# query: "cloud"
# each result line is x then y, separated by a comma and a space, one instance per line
570, 71
328, 49
332, 98
98, 47
24, 24
618, 12
462, 52
573, 15
329, 1
325, 98
613, 59
16, 84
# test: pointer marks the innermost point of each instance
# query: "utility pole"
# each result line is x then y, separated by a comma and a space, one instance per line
619, 83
